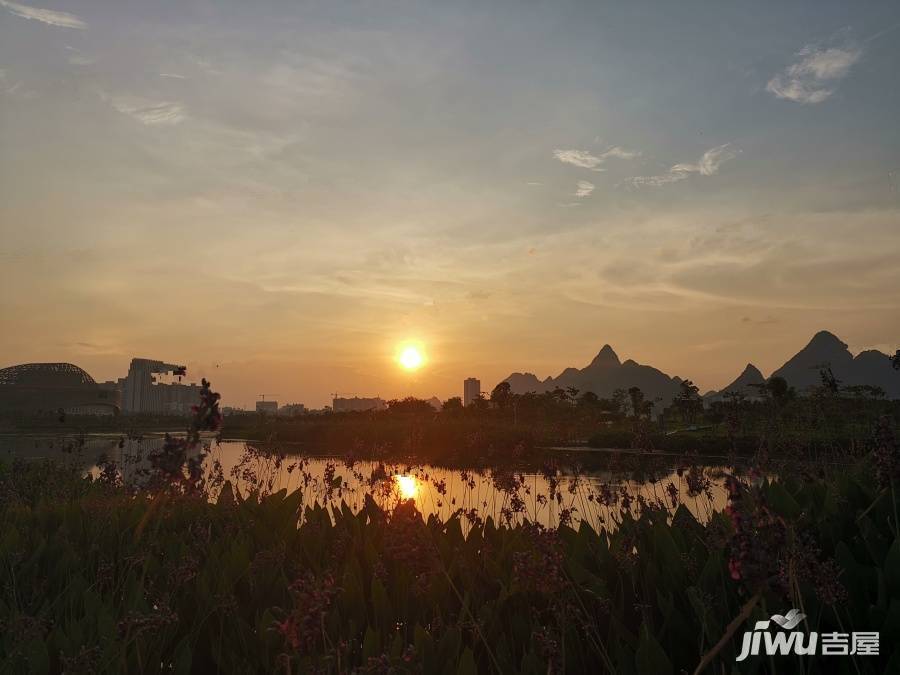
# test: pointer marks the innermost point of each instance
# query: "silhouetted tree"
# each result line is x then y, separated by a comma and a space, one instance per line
619, 400
865, 392
589, 400
453, 405
776, 390
734, 405
636, 398
688, 401
410, 406
502, 395
479, 403
830, 384
559, 395
779, 390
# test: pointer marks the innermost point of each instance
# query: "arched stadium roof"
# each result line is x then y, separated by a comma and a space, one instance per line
45, 375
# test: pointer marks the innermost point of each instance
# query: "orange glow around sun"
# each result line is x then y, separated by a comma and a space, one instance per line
411, 357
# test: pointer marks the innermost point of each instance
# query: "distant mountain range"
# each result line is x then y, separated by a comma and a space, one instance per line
603, 376
869, 367
745, 384
802, 371
606, 373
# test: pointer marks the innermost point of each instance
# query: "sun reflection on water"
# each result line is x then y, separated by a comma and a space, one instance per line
407, 486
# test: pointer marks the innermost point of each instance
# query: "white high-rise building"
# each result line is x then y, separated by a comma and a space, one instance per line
141, 393
471, 390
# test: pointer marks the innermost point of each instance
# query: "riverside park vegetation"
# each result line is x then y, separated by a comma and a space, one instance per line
828, 420
184, 572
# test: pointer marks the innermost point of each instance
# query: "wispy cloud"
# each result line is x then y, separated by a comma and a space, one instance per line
151, 114
174, 76
620, 153
587, 160
581, 158
813, 78
761, 322
15, 89
584, 188
710, 162
48, 16
77, 57
708, 165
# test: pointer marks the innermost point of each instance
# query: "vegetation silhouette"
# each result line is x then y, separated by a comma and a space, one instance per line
196, 575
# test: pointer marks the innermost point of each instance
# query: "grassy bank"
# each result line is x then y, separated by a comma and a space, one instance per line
430, 438
703, 443
59, 423
715, 443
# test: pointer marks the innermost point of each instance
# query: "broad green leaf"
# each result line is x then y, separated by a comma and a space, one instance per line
651, 657
467, 665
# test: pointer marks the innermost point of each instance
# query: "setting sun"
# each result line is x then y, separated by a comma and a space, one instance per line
411, 357
407, 486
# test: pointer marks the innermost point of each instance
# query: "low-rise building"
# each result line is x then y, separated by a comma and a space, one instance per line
267, 407
292, 410
357, 404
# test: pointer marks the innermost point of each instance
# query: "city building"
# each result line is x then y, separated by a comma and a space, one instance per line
267, 407
233, 410
51, 387
471, 390
357, 404
292, 410
142, 393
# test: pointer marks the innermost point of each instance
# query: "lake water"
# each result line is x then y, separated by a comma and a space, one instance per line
547, 496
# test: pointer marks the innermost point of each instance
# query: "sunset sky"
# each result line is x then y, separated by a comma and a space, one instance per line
281, 194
